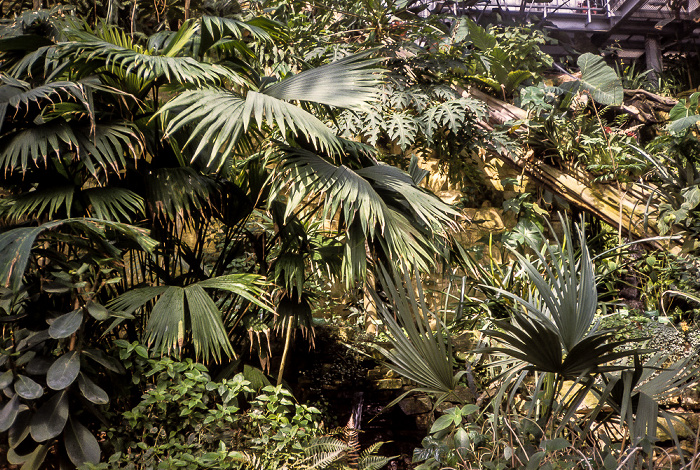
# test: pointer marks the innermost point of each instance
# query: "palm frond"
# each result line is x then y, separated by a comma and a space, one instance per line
378, 203
113, 203
35, 203
419, 353
16, 244
214, 28
142, 63
222, 118
248, 286
346, 83
104, 147
208, 332
180, 192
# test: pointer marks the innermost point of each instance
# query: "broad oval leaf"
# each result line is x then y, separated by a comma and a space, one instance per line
600, 80
35, 460
92, 391
63, 372
49, 421
104, 360
81, 445
20, 429
38, 366
441, 423
6, 379
8, 414
98, 312
66, 325
27, 388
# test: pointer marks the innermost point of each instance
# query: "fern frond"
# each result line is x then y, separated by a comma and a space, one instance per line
324, 451
373, 462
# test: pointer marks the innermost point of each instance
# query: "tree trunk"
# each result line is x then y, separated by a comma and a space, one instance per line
628, 206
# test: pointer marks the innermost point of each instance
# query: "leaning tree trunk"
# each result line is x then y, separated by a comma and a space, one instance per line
627, 206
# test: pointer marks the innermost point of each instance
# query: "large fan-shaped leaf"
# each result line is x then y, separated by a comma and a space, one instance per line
16, 244
142, 64
113, 203
208, 333
221, 118
166, 325
346, 83
214, 28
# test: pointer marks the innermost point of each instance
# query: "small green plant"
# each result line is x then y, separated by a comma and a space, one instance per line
183, 420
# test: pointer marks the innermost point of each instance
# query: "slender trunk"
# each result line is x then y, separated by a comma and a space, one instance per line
287, 341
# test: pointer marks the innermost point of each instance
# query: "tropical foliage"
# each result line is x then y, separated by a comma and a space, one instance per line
185, 184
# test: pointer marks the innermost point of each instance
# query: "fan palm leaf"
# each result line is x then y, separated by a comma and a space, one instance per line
377, 203
419, 353
16, 244
104, 147
180, 312
560, 333
112, 50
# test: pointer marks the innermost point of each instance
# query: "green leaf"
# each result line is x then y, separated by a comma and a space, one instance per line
27, 388
6, 379
97, 311
63, 371
92, 391
441, 423
682, 124
552, 445
104, 360
8, 414
35, 460
81, 445
600, 80
66, 325
481, 39
49, 421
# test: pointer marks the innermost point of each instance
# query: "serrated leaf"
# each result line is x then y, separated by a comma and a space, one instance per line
92, 391
27, 388
66, 325
63, 371
9, 413
81, 445
98, 312
402, 129
49, 421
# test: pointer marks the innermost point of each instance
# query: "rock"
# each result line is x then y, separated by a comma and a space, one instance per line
424, 421
416, 404
691, 400
389, 384
685, 427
